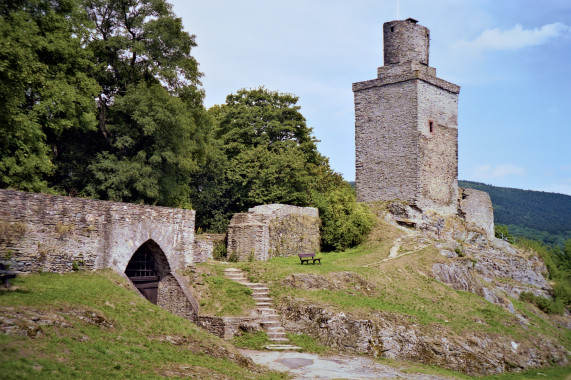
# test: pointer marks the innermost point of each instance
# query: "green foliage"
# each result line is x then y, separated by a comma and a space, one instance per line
532, 214
150, 155
547, 305
100, 99
502, 232
219, 251
44, 87
557, 263
345, 223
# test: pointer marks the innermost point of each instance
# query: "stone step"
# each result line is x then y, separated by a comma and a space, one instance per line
279, 339
270, 317
282, 347
266, 310
260, 292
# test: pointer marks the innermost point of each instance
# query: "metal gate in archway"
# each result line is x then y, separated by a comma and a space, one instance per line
143, 272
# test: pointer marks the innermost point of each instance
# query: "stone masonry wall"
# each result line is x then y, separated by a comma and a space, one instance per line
386, 143
438, 149
204, 246
397, 156
405, 41
50, 233
273, 230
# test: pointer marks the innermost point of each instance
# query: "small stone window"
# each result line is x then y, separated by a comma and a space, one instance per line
431, 126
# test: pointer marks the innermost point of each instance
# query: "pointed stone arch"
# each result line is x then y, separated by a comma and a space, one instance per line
150, 271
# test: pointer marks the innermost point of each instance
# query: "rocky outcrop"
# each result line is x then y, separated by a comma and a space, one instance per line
390, 336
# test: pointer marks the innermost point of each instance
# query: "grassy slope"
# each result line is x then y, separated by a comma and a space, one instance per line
403, 289
106, 331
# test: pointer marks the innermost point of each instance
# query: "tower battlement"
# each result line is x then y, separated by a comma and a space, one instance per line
405, 41
406, 126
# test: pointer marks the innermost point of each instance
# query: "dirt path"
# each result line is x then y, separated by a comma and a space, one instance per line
394, 252
311, 366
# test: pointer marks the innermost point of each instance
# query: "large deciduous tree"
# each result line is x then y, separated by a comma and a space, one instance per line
45, 89
265, 153
150, 113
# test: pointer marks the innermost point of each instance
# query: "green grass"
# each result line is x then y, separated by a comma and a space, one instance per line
226, 297
105, 330
401, 290
254, 341
308, 343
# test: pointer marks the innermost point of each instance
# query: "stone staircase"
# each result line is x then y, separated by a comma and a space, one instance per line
269, 317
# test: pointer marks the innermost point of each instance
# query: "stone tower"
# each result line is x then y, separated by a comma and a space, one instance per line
406, 126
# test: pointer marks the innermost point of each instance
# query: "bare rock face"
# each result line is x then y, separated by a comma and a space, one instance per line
394, 337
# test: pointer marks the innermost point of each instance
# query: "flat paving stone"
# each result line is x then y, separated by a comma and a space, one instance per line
311, 366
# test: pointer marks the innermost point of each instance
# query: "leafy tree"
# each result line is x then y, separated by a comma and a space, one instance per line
150, 114
265, 153
44, 89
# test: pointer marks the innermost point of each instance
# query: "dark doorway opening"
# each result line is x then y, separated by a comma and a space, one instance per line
144, 269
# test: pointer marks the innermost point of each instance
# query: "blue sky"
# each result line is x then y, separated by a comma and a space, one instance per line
511, 58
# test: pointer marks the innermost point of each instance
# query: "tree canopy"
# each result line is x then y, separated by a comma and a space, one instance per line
102, 98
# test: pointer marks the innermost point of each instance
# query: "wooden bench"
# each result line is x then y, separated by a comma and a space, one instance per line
305, 257
6, 275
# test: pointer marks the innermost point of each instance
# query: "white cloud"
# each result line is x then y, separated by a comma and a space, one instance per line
515, 38
499, 171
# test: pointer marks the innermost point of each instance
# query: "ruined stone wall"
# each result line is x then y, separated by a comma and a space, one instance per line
173, 297
54, 233
386, 142
476, 208
438, 149
248, 238
204, 246
273, 230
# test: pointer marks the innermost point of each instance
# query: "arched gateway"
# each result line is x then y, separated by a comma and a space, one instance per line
146, 268
149, 270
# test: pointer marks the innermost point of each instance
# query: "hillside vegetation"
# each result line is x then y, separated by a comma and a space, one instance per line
92, 325
532, 214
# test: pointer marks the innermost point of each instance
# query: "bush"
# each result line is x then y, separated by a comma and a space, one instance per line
545, 304
345, 223
219, 251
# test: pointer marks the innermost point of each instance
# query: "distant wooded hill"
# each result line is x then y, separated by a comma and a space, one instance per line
532, 214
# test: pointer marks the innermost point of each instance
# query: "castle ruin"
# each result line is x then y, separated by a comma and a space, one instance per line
406, 127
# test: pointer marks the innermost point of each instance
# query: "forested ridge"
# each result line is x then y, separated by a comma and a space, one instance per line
103, 99
533, 214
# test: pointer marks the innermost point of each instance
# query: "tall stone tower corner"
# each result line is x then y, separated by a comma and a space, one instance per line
406, 126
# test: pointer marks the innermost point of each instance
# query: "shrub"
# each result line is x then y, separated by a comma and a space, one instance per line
345, 223
219, 251
545, 304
